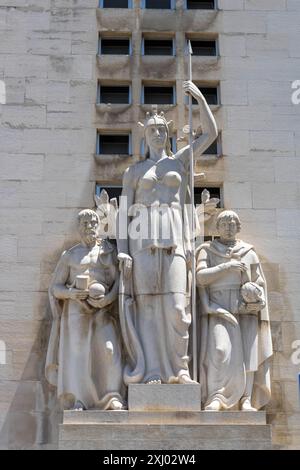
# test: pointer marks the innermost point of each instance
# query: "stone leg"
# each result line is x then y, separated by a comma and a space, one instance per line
107, 362
148, 327
162, 325
177, 337
75, 382
246, 399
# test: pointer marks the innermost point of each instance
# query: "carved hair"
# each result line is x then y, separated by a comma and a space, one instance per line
229, 215
87, 214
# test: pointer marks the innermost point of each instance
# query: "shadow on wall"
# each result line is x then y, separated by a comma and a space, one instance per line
33, 416
277, 412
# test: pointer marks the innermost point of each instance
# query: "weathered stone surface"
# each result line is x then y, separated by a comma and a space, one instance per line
164, 397
133, 430
165, 417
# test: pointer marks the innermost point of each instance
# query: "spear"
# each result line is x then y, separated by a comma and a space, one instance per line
192, 218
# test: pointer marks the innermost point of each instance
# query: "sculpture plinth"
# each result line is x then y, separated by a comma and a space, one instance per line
164, 398
164, 417
135, 430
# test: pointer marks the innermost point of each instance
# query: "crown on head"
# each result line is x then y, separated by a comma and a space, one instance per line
154, 116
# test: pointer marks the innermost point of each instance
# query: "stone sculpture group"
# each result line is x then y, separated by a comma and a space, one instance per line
121, 311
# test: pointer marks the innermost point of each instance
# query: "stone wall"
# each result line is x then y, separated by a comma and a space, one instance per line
49, 69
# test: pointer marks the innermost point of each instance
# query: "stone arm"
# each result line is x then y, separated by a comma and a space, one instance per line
205, 275
258, 279
256, 275
61, 275
208, 126
113, 293
58, 286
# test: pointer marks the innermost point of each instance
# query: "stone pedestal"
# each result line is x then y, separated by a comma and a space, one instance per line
173, 397
184, 428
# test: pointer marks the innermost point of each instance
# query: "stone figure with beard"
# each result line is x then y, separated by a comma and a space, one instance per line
84, 354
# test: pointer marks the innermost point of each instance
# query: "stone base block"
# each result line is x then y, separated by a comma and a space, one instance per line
172, 397
127, 430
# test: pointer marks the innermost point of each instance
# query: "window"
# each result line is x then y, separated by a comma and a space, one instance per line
209, 238
114, 144
114, 94
204, 47
115, 3
214, 148
200, 4
159, 95
158, 4
112, 191
211, 94
114, 46
215, 192
158, 46
173, 143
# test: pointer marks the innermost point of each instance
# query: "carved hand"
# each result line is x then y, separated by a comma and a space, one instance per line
235, 265
254, 307
77, 294
125, 264
101, 303
191, 89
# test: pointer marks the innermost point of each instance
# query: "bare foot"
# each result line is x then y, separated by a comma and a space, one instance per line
79, 406
116, 405
246, 405
154, 381
186, 379
215, 405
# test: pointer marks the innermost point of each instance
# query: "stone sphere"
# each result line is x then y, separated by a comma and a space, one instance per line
96, 291
251, 292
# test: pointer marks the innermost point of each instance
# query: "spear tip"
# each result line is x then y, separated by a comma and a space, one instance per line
188, 49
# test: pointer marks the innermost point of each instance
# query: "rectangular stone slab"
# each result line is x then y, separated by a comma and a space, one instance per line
164, 437
174, 397
96, 417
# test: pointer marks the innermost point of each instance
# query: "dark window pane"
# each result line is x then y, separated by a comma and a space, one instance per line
158, 47
162, 4
204, 47
212, 149
200, 4
115, 3
173, 145
209, 238
113, 192
210, 94
214, 193
114, 94
115, 46
113, 144
158, 95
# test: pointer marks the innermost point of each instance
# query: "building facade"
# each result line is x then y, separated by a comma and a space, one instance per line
75, 78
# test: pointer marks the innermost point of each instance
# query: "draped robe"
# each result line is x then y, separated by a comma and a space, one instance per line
227, 351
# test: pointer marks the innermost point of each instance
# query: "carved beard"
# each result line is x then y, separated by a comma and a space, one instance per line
90, 237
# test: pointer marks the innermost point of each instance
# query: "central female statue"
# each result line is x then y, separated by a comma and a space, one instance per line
154, 253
